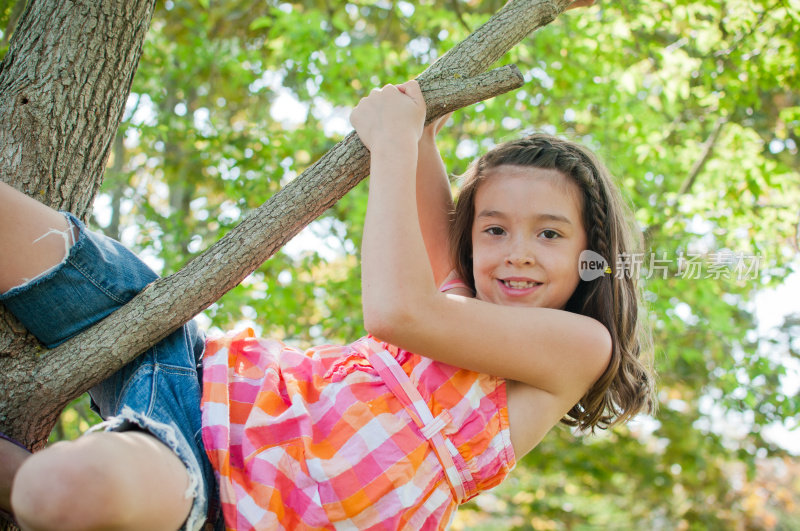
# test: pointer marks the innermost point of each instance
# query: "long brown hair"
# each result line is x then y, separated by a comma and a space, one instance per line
626, 387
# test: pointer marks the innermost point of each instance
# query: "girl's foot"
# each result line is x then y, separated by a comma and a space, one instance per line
12, 455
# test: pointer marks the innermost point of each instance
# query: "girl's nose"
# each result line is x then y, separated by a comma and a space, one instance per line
520, 260
520, 255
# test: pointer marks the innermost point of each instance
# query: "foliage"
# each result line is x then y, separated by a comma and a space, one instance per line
694, 106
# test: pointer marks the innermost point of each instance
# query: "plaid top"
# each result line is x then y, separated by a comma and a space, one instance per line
361, 436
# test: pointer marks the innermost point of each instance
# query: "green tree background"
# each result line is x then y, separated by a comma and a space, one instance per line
695, 106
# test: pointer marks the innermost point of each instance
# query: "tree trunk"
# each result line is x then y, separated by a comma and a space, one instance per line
63, 87
58, 115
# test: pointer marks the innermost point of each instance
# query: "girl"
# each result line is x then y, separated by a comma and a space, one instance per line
367, 435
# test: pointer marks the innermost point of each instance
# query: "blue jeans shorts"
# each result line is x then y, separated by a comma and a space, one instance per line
159, 391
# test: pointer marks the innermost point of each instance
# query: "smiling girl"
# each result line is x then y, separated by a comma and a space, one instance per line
477, 348
569, 349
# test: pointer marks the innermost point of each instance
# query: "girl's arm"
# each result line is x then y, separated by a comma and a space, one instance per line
555, 351
390, 123
434, 201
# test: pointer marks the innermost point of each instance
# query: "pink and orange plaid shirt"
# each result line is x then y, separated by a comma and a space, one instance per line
361, 436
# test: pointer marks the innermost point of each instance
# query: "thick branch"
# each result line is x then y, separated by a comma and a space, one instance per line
490, 42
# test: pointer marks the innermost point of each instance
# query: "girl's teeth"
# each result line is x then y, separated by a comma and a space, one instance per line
519, 284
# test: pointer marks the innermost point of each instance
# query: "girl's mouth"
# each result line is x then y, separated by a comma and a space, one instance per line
520, 284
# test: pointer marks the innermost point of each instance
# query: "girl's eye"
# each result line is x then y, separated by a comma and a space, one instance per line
550, 234
495, 231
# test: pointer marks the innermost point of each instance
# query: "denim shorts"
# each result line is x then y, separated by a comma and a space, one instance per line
159, 391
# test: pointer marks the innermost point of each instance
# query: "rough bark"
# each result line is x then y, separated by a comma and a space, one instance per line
63, 87
35, 384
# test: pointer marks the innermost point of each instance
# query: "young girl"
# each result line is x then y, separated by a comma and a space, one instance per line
473, 354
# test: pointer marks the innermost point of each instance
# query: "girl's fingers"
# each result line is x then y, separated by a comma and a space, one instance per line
402, 106
411, 89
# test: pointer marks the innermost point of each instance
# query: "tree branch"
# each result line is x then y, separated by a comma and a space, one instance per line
694, 172
699, 164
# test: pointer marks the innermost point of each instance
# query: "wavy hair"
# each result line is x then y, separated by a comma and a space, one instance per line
627, 385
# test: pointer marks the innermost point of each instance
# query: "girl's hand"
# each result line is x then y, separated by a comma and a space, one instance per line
390, 116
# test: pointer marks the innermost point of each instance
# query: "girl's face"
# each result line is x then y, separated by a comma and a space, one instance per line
527, 236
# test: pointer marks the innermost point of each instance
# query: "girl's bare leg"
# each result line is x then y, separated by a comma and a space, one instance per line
105, 480
119, 481
27, 245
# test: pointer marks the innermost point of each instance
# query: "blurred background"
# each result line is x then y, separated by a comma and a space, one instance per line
694, 106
